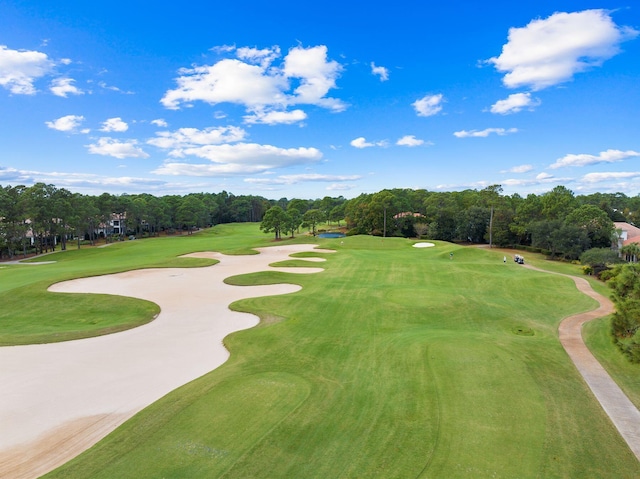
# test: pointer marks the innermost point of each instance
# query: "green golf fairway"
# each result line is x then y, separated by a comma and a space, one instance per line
395, 362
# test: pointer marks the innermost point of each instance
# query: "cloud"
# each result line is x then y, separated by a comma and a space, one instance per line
550, 51
64, 86
484, 133
114, 88
382, 72
340, 187
118, 149
295, 179
97, 184
19, 69
68, 123
515, 103
428, 105
114, 124
9, 175
262, 86
316, 76
602, 177
275, 117
239, 159
264, 57
160, 122
544, 176
409, 140
184, 138
609, 156
518, 169
361, 142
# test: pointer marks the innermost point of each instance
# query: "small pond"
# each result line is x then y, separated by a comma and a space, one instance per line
331, 235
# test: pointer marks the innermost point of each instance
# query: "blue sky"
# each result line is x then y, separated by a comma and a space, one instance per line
306, 100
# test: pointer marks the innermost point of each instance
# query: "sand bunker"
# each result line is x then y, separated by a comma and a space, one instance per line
423, 245
59, 399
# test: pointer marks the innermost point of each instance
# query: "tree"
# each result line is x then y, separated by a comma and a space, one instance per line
599, 259
83, 217
274, 220
311, 219
528, 212
337, 213
326, 205
190, 213
595, 222
293, 220
625, 324
558, 203
13, 220
63, 212
40, 200
631, 252
473, 224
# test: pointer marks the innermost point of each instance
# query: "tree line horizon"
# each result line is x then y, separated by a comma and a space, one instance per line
558, 221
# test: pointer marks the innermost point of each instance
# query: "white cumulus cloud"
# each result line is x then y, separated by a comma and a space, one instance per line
68, 123
64, 86
118, 149
609, 156
160, 122
183, 138
428, 105
381, 72
484, 133
409, 140
256, 82
550, 51
362, 142
19, 69
275, 117
114, 124
514, 103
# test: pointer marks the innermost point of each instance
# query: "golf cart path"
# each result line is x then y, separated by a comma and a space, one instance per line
59, 399
622, 412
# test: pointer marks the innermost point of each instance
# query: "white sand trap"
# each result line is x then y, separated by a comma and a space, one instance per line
59, 399
423, 245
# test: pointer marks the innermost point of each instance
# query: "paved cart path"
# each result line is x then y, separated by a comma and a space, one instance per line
623, 413
58, 399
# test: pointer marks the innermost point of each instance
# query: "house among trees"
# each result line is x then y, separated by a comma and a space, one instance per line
628, 244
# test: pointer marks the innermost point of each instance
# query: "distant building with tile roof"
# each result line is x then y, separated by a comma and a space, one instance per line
627, 234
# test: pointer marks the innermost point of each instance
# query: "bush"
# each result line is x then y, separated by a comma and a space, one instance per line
606, 275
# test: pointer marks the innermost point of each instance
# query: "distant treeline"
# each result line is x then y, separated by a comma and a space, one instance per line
42, 216
557, 222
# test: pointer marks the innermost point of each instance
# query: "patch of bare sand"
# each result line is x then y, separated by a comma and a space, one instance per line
59, 399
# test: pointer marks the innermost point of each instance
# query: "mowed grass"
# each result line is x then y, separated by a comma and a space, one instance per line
29, 314
395, 362
597, 335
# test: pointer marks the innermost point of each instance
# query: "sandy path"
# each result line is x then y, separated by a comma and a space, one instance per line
624, 415
59, 399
